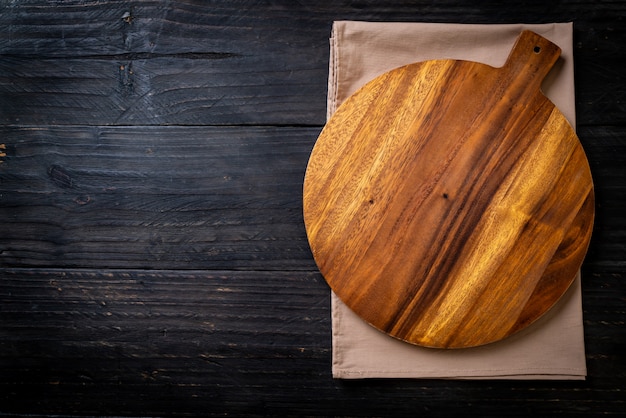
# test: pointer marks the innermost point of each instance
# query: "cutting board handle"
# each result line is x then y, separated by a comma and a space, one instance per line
532, 56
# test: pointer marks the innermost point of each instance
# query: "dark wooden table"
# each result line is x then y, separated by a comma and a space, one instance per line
153, 258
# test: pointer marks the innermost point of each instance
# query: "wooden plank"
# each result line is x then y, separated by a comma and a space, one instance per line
196, 64
76, 28
181, 64
199, 197
160, 197
189, 331
132, 342
150, 28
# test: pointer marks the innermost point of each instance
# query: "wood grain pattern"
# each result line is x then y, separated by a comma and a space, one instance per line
193, 335
154, 197
181, 64
161, 335
449, 203
190, 62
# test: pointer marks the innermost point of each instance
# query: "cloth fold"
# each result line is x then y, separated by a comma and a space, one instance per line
552, 347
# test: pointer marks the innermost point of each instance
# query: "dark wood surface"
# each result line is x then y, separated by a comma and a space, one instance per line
153, 257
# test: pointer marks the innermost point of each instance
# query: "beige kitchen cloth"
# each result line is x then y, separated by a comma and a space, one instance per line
552, 347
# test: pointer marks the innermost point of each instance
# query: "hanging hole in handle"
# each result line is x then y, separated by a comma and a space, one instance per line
537, 49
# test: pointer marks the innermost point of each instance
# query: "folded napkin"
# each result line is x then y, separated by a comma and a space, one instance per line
552, 347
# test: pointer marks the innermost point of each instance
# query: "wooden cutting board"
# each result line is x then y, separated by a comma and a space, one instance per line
449, 203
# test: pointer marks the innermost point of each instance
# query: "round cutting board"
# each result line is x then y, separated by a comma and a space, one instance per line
449, 203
